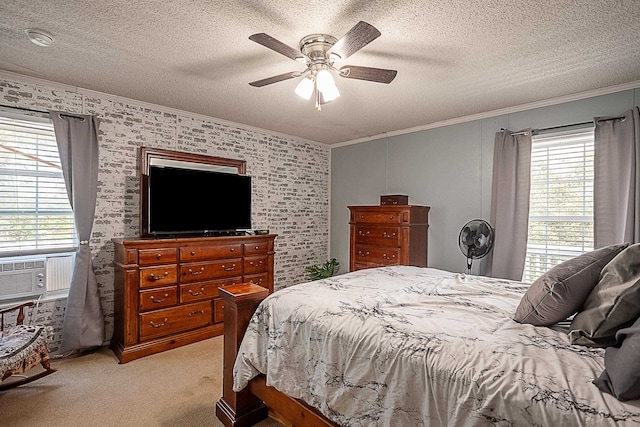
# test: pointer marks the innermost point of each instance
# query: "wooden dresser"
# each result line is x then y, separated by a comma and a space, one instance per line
166, 290
388, 235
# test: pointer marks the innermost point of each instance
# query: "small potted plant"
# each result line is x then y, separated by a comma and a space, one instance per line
327, 269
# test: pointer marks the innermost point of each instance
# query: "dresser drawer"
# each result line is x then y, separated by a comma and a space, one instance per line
198, 271
168, 321
379, 236
205, 290
382, 256
155, 298
388, 217
198, 253
218, 310
157, 256
361, 266
256, 248
261, 279
161, 275
255, 264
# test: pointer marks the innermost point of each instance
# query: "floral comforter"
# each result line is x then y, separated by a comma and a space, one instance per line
408, 346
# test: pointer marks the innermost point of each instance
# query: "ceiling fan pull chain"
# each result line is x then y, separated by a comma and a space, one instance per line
318, 105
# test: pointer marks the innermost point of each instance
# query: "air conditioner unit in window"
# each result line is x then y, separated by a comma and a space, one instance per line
22, 278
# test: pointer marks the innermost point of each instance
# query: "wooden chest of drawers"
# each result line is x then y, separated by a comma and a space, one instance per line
388, 235
166, 290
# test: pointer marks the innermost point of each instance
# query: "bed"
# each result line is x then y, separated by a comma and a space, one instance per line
408, 346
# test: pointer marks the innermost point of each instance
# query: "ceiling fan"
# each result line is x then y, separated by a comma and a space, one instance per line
320, 53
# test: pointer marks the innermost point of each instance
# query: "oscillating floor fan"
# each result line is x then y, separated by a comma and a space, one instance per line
475, 240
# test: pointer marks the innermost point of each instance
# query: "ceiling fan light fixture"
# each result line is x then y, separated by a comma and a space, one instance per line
326, 85
39, 37
325, 80
330, 93
304, 89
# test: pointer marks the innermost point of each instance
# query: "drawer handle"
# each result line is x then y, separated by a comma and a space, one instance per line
255, 265
259, 282
196, 273
362, 233
195, 294
385, 256
232, 250
193, 253
233, 267
159, 300
154, 277
158, 256
159, 325
257, 247
363, 253
388, 236
390, 216
193, 313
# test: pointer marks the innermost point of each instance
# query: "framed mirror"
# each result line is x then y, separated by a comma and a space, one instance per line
155, 157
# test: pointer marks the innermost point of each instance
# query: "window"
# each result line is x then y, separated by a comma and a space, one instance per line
37, 229
561, 200
35, 214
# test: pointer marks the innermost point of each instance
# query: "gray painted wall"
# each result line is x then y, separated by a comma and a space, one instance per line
447, 168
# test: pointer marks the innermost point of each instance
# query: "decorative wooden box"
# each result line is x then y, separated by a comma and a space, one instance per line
394, 199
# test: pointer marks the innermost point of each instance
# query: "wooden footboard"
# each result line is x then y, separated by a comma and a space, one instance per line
249, 406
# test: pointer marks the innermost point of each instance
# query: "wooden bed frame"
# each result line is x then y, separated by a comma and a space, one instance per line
253, 404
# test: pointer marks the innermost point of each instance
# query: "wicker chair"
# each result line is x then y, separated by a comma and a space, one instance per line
22, 347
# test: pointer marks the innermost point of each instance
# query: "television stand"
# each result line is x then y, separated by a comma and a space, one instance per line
166, 290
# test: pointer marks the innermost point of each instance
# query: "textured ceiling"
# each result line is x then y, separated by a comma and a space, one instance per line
454, 58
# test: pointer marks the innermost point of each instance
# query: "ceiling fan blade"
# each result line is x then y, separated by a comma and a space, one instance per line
273, 44
379, 75
275, 79
356, 38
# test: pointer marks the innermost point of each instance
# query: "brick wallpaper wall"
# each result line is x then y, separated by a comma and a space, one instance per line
290, 178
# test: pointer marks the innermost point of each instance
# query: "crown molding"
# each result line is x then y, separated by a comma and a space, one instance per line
530, 106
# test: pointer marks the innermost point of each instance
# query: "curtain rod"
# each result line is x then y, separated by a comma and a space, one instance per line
41, 111
534, 131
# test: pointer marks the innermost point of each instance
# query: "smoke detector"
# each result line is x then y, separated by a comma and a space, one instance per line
39, 37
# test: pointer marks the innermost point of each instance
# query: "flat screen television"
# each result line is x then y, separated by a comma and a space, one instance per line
185, 201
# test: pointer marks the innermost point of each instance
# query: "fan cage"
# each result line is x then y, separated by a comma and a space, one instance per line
474, 245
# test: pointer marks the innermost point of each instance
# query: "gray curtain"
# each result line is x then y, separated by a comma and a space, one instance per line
616, 209
510, 203
77, 138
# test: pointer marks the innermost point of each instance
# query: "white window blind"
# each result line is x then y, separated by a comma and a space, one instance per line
35, 214
561, 200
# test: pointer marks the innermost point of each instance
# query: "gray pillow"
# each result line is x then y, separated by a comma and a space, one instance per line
613, 304
621, 376
561, 291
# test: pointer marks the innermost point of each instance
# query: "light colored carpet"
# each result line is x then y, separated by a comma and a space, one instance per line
171, 389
